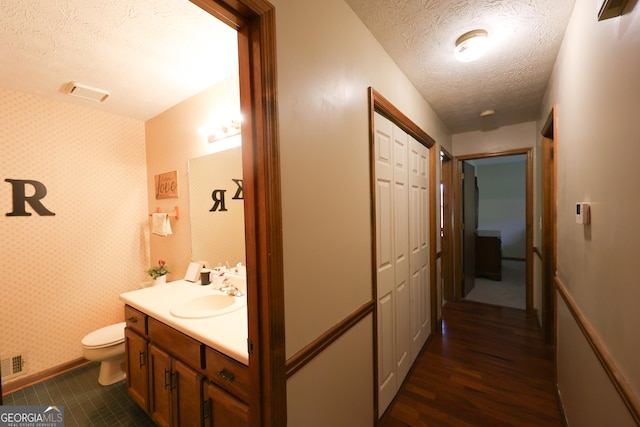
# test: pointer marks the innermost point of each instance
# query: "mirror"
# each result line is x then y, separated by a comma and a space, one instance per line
216, 204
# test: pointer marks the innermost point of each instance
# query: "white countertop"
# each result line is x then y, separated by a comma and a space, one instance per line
226, 333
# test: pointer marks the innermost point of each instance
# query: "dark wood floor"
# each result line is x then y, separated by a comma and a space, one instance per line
485, 366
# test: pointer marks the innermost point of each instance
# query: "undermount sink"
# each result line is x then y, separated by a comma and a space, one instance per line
207, 306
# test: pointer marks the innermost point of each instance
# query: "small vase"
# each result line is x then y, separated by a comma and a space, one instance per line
160, 280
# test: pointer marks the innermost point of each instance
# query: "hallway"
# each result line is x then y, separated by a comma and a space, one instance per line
485, 366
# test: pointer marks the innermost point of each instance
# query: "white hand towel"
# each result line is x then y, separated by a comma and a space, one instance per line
160, 224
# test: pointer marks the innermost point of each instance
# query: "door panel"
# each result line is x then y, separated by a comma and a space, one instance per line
187, 395
401, 253
159, 386
136, 363
469, 216
223, 409
385, 274
419, 262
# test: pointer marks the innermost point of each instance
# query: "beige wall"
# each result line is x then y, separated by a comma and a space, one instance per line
595, 84
326, 61
522, 135
61, 275
172, 139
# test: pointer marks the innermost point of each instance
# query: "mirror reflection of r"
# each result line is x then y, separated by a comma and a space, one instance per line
20, 198
218, 196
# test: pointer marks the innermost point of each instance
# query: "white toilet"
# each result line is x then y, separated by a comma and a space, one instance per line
106, 345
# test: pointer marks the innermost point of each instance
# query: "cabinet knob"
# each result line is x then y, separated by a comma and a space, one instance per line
227, 376
132, 320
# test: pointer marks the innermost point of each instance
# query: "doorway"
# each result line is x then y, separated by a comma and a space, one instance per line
255, 22
495, 238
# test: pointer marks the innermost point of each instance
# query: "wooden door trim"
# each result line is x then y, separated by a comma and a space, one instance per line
255, 22
447, 247
528, 152
549, 225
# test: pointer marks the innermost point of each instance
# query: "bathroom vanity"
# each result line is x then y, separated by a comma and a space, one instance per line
186, 371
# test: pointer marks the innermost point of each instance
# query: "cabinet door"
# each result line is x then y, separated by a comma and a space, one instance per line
187, 399
160, 382
136, 362
222, 409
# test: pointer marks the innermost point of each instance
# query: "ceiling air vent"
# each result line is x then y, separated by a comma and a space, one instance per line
611, 9
87, 92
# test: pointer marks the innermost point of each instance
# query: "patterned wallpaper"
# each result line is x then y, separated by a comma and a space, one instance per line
61, 275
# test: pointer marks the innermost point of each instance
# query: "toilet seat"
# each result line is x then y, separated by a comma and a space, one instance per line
105, 337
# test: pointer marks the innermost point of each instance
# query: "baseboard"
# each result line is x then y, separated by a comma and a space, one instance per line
21, 383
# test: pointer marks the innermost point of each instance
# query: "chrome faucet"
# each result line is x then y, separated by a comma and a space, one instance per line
230, 289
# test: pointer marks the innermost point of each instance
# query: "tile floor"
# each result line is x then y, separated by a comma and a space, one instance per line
86, 403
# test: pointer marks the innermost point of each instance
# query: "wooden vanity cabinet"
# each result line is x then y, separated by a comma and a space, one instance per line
179, 381
136, 367
222, 409
225, 391
136, 346
174, 390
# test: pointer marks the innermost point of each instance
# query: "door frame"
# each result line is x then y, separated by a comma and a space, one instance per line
458, 273
255, 22
549, 172
446, 251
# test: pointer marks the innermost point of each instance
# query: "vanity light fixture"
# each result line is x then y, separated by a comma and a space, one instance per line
471, 45
219, 134
217, 130
231, 128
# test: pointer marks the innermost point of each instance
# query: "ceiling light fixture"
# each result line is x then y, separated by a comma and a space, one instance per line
471, 46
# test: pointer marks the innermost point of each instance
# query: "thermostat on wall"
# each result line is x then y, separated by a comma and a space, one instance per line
583, 213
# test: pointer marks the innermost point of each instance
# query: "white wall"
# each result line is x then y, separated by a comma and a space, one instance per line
503, 204
326, 61
596, 85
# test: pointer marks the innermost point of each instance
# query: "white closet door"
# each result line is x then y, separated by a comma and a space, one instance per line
385, 264
401, 251
402, 261
419, 259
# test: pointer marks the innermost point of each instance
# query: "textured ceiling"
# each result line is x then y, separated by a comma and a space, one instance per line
149, 55
511, 77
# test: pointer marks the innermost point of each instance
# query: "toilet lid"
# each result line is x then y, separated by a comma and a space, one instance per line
112, 334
